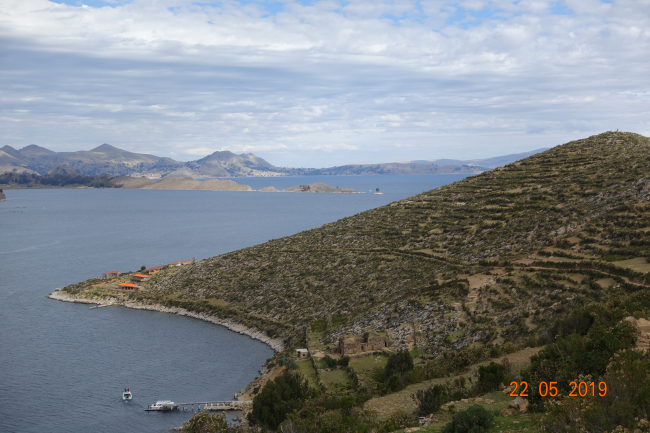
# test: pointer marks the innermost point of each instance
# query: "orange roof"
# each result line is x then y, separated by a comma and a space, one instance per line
141, 275
111, 272
180, 261
155, 268
127, 285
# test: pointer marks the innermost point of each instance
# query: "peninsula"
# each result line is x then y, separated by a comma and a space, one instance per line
545, 256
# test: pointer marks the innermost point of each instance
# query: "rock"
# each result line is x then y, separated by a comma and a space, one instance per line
464, 400
488, 401
508, 390
478, 400
508, 412
411, 429
519, 403
501, 385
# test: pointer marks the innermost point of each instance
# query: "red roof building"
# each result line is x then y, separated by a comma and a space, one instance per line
128, 287
140, 277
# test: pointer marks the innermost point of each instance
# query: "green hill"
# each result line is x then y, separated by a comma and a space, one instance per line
448, 261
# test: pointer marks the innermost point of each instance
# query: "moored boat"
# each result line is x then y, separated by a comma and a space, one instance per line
162, 406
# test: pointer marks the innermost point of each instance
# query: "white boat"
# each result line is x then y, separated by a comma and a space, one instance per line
163, 406
126, 395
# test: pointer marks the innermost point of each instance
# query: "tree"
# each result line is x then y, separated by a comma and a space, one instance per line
278, 399
399, 363
490, 376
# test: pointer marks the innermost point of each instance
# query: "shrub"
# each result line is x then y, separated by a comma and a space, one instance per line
344, 361
394, 384
568, 358
399, 363
329, 361
490, 377
475, 419
279, 398
206, 422
429, 400
398, 420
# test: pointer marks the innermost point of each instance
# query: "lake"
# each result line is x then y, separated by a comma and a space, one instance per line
64, 366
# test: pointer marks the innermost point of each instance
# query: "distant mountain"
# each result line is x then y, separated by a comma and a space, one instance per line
393, 168
107, 159
497, 161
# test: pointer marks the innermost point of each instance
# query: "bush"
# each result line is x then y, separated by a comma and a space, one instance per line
279, 398
399, 363
475, 419
344, 361
206, 422
394, 384
398, 420
329, 361
429, 400
490, 377
568, 358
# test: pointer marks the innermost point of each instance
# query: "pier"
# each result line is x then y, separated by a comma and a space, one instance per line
207, 405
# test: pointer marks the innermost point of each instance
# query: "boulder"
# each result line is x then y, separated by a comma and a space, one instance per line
507, 391
508, 412
519, 403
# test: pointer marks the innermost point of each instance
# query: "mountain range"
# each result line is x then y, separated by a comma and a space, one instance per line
107, 159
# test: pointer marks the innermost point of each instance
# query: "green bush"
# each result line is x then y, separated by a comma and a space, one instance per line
475, 419
490, 377
394, 384
568, 358
398, 363
430, 399
206, 422
279, 398
329, 361
344, 361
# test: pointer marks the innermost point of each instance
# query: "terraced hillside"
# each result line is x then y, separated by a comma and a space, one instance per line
492, 259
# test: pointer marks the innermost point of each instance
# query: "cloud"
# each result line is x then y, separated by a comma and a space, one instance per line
323, 79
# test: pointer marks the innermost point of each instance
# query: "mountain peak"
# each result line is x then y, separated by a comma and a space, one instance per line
106, 148
34, 150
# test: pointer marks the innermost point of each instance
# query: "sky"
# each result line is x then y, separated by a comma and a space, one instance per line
316, 83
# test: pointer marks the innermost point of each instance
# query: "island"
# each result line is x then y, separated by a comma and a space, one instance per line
314, 187
3, 197
186, 183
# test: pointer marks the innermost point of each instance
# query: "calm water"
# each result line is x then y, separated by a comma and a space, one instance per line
63, 366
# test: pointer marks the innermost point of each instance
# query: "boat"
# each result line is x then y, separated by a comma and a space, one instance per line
126, 395
162, 406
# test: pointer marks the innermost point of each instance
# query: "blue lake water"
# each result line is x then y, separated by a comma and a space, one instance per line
63, 366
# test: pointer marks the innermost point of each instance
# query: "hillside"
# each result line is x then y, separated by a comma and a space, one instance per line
451, 262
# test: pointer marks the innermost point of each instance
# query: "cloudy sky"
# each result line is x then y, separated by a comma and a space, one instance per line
322, 82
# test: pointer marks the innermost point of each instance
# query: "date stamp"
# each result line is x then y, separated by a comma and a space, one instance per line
581, 389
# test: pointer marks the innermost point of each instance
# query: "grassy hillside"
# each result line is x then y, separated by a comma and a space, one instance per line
578, 213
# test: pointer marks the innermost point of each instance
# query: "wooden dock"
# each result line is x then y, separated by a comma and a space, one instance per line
215, 405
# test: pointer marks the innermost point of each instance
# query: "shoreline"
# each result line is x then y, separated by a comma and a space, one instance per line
276, 344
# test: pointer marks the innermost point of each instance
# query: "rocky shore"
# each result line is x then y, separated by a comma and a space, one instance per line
275, 344
2, 196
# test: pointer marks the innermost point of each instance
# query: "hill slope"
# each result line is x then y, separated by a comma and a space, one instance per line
448, 267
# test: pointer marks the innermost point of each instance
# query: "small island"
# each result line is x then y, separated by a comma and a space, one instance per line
314, 187
3, 197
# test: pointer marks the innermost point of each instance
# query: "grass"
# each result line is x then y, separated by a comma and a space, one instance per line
306, 368
336, 380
